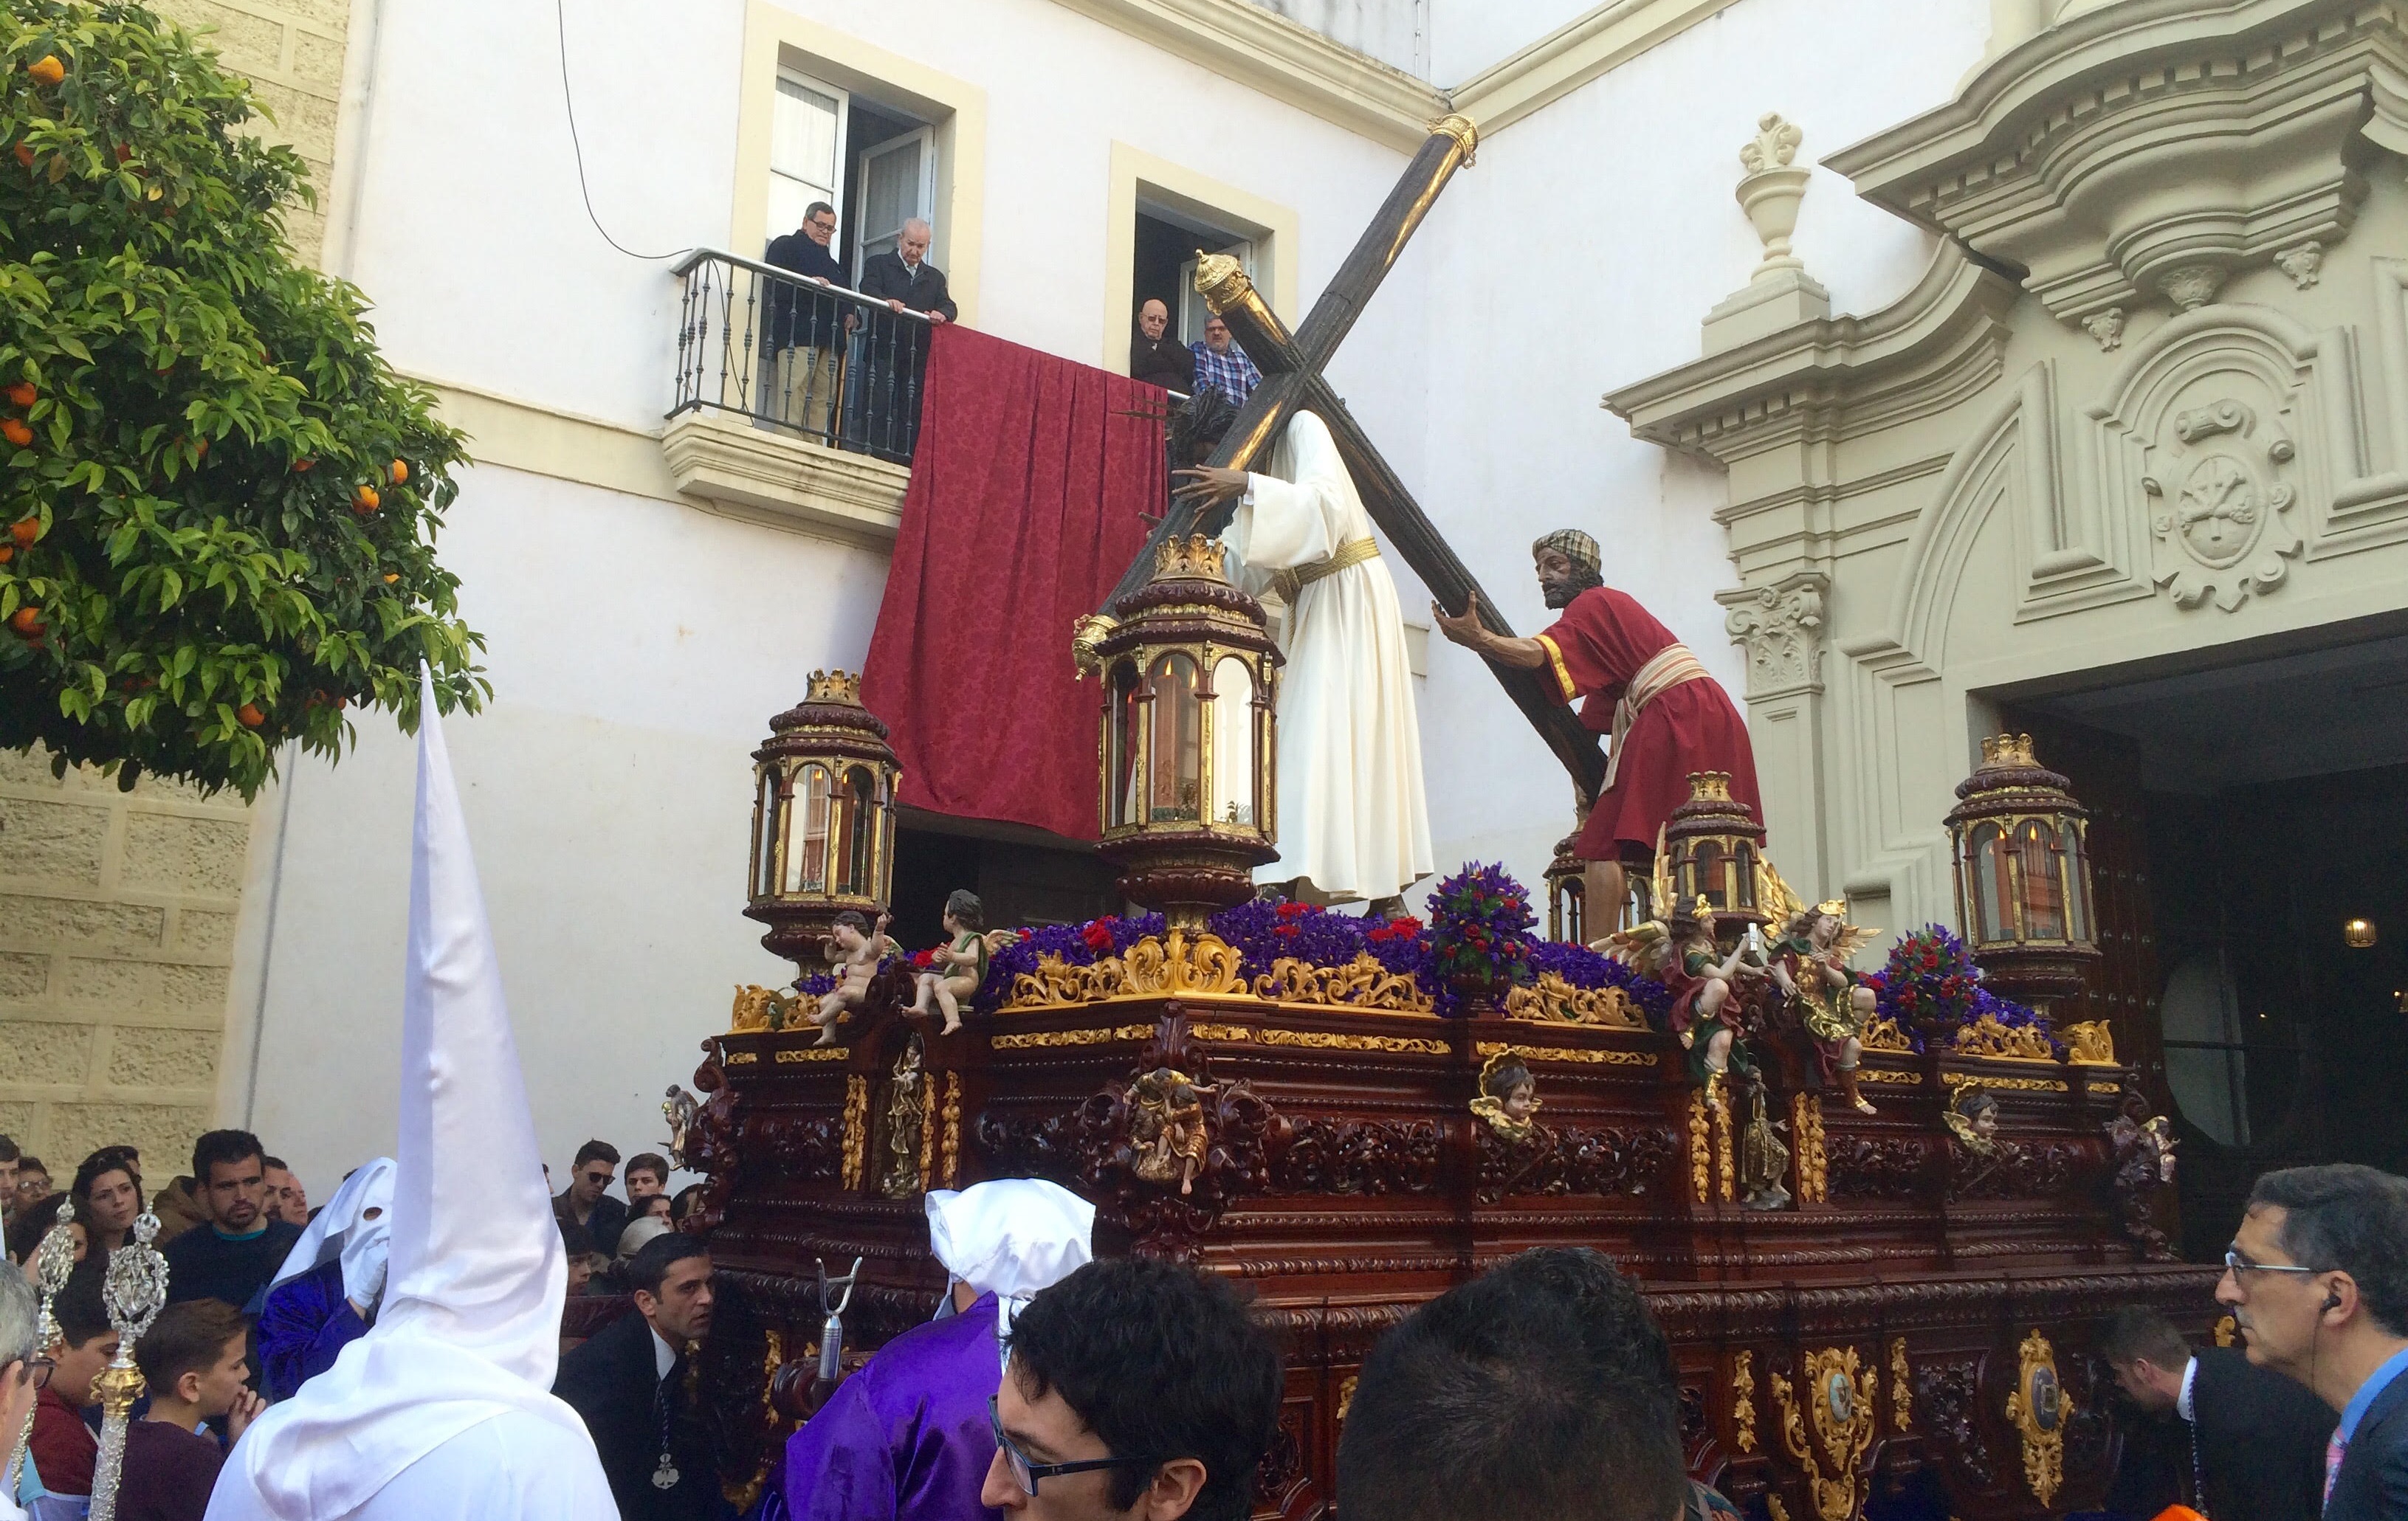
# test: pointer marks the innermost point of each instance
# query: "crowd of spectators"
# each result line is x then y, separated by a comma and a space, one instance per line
1215, 362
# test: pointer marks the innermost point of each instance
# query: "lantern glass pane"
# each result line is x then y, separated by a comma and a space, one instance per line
1233, 742
1709, 873
1742, 884
2077, 866
807, 831
1121, 746
1175, 758
765, 836
855, 834
1989, 883
2044, 881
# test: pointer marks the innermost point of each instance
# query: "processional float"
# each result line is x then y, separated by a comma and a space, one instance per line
1858, 1301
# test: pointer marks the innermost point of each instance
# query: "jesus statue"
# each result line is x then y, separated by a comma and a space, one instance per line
1353, 823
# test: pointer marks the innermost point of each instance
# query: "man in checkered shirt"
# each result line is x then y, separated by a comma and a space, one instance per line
1221, 363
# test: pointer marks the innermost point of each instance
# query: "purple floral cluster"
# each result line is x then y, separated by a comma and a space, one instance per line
2016, 1016
1076, 945
1479, 930
1929, 978
1581, 967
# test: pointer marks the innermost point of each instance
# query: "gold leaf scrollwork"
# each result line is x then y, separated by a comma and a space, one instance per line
1901, 1395
856, 1130
1886, 1075
1346, 1395
1881, 1034
813, 1053
949, 1158
2227, 1329
1553, 998
1726, 1168
1806, 1133
1096, 1035
2092, 1042
1986, 1037
1743, 1402
1593, 1056
1840, 1395
760, 1008
1320, 1040
2039, 1409
1178, 964
1701, 1177
1362, 983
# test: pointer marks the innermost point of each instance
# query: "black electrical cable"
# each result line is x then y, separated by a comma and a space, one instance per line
560, 15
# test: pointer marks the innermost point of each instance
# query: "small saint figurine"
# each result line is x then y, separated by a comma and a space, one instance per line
1509, 1096
1167, 1128
907, 1118
856, 948
1810, 960
679, 1108
961, 965
1763, 1156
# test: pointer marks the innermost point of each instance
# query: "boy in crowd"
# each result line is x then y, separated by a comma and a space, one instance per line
194, 1362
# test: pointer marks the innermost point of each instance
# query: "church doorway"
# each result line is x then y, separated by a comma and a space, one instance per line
2250, 823
1022, 876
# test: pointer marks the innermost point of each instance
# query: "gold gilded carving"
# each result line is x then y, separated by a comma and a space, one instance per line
1463, 130
2226, 1329
1901, 1396
1177, 964
1346, 1395
1168, 1128
1885, 1075
2039, 1408
1743, 1402
1590, 1056
1840, 1396
1882, 1034
949, 1158
1986, 1037
809, 1053
1553, 998
1701, 1177
2018, 1084
759, 1008
742, 1496
856, 1130
1362, 983
2092, 1042
742, 1059
1028, 1039
1221, 280
1776, 1507
1320, 1040
1806, 1131
1726, 1168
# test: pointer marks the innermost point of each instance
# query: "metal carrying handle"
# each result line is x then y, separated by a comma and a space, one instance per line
832, 1330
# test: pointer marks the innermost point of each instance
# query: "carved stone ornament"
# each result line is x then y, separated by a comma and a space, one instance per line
2191, 286
1773, 147
1839, 1407
2305, 264
2038, 1410
1781, 629
2107, 327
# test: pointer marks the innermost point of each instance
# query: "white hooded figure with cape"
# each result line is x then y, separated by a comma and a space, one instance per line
444, 1408
1353, 824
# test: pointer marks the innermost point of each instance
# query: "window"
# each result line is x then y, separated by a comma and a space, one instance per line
805, 151
2207, 1057
899, 182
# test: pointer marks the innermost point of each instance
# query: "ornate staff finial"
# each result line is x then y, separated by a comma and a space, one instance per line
53, 1259
135, 1291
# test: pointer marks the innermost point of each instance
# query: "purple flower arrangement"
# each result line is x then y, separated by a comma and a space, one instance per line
1480, 932
1076, 945
1930, 978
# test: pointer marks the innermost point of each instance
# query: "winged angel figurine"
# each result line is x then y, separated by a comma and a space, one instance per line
1679, 951
1810, 960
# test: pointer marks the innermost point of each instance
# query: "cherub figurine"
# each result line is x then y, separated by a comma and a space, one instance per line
1763, 1156
1167, 1128
1972, 1117
1681, 954
1810, 960
856, 949
962, 964
1509, 1096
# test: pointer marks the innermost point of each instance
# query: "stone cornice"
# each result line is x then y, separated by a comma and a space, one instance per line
2242, 117
1573, 54
1939, 343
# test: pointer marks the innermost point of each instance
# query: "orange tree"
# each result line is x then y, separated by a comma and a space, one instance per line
217, 501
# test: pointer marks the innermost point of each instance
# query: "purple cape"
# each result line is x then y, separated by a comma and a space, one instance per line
304, 1325
907, 1435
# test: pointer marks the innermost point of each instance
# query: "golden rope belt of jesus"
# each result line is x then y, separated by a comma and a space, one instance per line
1289, 583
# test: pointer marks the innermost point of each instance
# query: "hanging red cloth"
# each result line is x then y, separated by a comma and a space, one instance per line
1029, 484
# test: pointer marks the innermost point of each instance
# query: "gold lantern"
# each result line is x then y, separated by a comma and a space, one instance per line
2358, 934
1567, 895
1187, 749
2023, 875
822, 818
1715, 846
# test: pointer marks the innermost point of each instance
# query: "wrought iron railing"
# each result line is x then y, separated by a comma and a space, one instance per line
812, 361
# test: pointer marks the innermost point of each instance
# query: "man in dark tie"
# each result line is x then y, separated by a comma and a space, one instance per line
2317, 1278
898, 345
2252, 1442
628, 1384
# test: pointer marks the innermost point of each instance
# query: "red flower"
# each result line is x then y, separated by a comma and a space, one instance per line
1098, 933
925, 959
1286, 931
1294, 910
1027, 935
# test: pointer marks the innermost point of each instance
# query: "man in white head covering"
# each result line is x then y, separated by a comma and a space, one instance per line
444, 1408
910, 1434
325, 1295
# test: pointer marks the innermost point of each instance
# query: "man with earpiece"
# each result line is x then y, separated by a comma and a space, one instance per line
2317, 1279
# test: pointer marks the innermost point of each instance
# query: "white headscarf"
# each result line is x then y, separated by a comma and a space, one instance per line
1010, 1238
470, 1329
342, 1229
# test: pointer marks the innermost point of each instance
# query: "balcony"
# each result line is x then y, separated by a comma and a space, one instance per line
796, 403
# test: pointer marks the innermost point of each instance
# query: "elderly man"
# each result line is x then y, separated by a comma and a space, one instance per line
19, 1345
1222, 365
1667, 717
897, 347
1156, 357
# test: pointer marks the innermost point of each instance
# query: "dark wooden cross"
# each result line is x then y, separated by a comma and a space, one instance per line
1292, 380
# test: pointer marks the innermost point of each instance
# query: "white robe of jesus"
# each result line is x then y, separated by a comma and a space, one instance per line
1352, 818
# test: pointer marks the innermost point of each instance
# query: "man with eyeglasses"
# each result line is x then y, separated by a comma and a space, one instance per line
805, 331
2317, 1279
23, 1373
1137, 1390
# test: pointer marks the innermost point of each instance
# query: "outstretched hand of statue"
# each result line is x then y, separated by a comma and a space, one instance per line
1467, 631
1206, 486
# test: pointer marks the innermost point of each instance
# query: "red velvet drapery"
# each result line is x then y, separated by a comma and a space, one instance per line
1027, 487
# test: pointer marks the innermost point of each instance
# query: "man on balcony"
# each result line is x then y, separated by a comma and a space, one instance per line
899, 347
1222, 365
806, 330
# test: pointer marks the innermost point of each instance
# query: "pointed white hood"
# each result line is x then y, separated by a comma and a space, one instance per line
345, 1229
470, 1327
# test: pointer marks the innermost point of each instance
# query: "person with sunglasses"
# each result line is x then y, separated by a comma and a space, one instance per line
1135, 1391
24, 1371
2317, 1280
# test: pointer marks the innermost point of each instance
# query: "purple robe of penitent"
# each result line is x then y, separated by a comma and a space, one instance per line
908, 1436
304, 1326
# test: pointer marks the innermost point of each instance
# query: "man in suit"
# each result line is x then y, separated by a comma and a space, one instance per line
897, 347
1156, 357
2317, 1278
628, 1384
804, 335
585, 1202
2253, 1440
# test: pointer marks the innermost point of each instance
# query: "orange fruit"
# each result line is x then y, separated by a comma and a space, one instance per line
7, 552
391, 576
47, 70
27, 621
25, 154
302, 465
25, 530
22, 394
400, 471
202, 446
364, 500
251, 718
124, 152
16, 432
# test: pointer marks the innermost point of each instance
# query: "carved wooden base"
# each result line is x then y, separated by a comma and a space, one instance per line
1913, 1310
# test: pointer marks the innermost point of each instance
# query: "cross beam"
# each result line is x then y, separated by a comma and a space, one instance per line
1292, 380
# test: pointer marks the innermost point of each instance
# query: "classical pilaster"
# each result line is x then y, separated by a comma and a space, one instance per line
1780, 625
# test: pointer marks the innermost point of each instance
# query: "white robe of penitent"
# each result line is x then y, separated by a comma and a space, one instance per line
1352, 816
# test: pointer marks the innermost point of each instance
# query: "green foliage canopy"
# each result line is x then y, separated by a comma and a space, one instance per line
217, 501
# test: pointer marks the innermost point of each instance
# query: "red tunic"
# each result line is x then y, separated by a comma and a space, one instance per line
1593, 651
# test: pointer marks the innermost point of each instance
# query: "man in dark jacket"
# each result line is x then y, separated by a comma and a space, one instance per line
805, 331
1157, 359
2252, 1442
898, 348
628, 1384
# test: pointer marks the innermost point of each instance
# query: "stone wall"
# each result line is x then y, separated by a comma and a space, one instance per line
292, 51
117, 929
